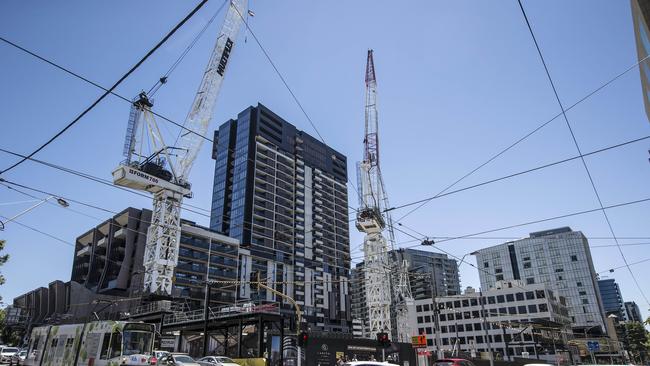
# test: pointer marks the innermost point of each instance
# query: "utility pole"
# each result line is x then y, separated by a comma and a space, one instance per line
206, 316
485, 327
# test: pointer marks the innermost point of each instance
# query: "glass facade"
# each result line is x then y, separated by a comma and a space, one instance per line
612, 299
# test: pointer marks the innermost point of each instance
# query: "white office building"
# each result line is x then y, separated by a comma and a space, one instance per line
512, 311
560, 259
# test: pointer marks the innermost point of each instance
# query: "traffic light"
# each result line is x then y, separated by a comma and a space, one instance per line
303, 338
383, 340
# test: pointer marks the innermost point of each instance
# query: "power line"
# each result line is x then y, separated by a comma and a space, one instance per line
521, 139
575, 142
577, 213
107, 92
523, 172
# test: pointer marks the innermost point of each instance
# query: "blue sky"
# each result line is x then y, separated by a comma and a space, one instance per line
458, 81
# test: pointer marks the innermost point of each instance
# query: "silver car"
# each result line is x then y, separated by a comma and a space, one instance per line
217, 361
6, 353
177, 359
19, 358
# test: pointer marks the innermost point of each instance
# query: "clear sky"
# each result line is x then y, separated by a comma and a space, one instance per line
458, 81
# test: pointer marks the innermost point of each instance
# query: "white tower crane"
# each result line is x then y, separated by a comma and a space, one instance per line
371, 220
153, 166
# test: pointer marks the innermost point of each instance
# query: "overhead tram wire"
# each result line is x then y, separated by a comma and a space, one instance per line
286, 85
107, 92
244, 224
521, 139
181, 126
576, 213
575, 142
523, 172
163, 79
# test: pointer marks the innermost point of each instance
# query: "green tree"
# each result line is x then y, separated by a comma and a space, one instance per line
637, 340
3, 260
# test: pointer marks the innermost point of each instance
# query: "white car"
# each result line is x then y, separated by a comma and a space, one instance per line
217, 361
6, 353
368, 363
177, 359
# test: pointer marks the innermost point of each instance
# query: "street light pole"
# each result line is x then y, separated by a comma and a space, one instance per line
60, 201
485, 326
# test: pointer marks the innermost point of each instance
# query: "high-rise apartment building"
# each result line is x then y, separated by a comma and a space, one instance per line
283, 194
610, 294
559, 258
633, 312
641, 19
432, 275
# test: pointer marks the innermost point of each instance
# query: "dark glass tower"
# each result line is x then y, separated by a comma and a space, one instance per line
283, 194
612, 299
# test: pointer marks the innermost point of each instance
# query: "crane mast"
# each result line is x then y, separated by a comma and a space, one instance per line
163, 170
372, 220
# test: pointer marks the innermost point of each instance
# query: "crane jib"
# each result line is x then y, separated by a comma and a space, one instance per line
224, 57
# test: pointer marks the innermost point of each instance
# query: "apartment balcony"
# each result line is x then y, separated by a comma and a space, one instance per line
84, 251
101, 243
121, 233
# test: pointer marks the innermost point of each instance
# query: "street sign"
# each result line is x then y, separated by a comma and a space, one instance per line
419, 341
593, 346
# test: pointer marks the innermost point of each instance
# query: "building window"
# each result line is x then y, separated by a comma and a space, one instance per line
477, 326
501, 299
419, 320
425, 307
473, 302
427, 319
579, 284
497, 338
510, 297
498, 270
519, 296
465, 303
512, 310
445, 341
475, 314
499, 277
530, 295
583, 293
540, 294
429, 330
461, 328
418, 308
522, 309
479, 339
486, 264
468, 327
429, 342
557, 270
443, 329
527, 265
574, 258
443, 317
491, 300
585, 301
543, 307
457, 303
420, 330
452, 329
532, 308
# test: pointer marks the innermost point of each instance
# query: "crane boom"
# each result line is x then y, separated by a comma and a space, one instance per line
165, 174
198, 119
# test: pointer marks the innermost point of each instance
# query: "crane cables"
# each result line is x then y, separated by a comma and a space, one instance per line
109, 90
575, 142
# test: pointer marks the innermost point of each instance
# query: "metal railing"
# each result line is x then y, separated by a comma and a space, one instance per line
223, 311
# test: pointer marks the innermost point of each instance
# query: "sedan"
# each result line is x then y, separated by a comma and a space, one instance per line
217, 361
177, 359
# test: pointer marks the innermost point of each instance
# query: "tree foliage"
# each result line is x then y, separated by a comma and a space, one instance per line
637, 340
3, 260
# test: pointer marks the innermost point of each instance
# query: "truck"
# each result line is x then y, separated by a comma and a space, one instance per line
98, 343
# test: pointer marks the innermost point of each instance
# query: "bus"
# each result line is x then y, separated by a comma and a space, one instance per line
100, 343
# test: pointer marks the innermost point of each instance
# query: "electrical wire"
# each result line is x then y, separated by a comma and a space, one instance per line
535, 130
576, 213
575, 142
107, 92
523, 172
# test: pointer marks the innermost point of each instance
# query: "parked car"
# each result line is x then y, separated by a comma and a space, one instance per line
177, 359
453, 362
217, 361
368, 363
6, 353
19, 358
